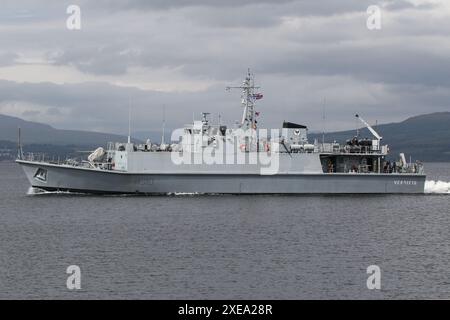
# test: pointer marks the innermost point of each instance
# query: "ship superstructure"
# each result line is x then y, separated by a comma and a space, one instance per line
206, 158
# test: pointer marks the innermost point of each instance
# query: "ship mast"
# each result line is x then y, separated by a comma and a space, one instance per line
19, 145
248, 97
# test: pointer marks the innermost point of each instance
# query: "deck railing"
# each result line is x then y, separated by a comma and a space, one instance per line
347, 149
52, 159
411, 168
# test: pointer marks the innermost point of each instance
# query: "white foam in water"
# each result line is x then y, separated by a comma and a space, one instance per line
32, 191
183, 193
36, 191
441, 187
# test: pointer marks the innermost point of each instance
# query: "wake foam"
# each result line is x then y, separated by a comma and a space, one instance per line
441, 187
183, 193
36, 191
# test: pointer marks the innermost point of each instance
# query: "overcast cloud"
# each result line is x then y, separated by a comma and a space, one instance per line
182, 54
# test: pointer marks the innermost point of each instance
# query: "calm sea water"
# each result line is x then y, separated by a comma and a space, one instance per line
223, 247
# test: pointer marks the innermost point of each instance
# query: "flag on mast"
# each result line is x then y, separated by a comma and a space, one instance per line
258, 96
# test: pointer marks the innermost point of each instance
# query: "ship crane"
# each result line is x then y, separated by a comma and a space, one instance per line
376, 144
368, 126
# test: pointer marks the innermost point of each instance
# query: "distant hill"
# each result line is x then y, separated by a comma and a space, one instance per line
38, 133
425, 137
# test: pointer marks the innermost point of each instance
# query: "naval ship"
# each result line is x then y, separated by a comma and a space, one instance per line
206, 158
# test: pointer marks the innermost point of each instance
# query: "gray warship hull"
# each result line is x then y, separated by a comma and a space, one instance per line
204, 158
91, 180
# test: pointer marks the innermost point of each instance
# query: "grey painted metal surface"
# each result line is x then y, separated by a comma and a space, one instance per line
101, 181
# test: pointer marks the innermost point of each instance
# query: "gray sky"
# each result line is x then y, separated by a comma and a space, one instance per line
183, 53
